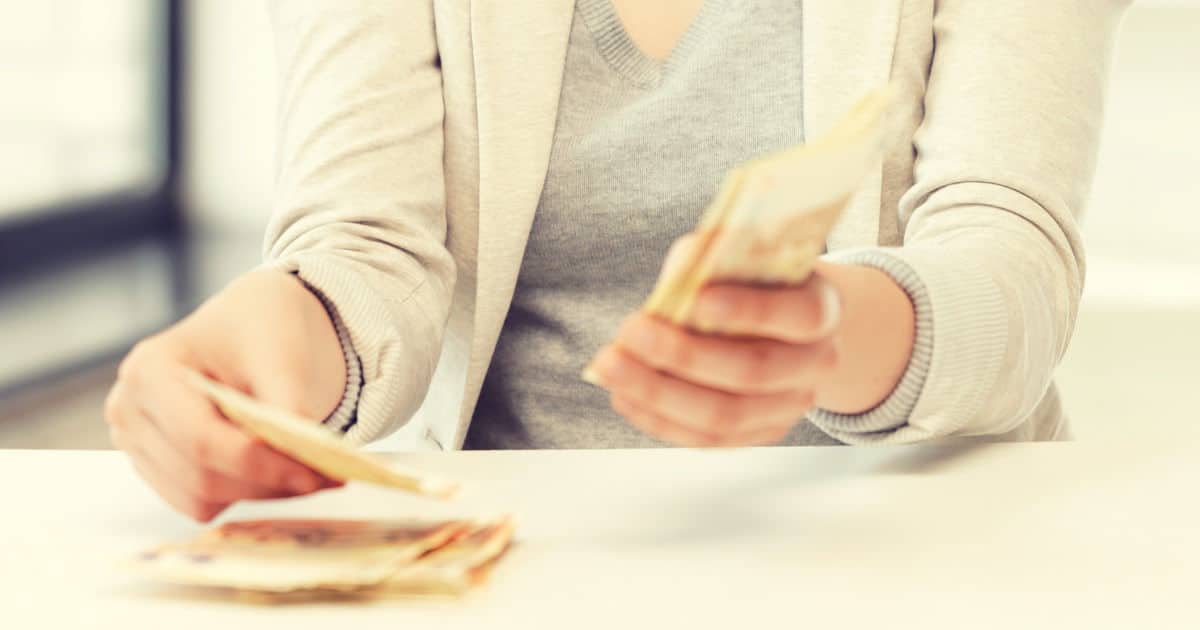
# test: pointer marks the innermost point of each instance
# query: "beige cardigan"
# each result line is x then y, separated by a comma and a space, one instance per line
414, 142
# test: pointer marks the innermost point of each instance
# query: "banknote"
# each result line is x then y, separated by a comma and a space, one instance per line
281, 560
315, 445
770, 219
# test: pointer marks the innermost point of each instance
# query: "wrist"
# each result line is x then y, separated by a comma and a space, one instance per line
328, 364
874, 340
268, 333
344, 413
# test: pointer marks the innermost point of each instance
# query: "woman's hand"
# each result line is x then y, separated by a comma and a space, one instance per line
841, 341
265, 334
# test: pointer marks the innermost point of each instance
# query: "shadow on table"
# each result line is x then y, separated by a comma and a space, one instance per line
821, 484
299, 598
930, 458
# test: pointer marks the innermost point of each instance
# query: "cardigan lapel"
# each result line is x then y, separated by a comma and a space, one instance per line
848, 50
519, 49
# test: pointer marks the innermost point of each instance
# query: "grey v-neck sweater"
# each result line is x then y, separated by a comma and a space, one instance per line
986, 220
639, 149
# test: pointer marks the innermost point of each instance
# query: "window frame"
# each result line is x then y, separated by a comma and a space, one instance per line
51, 237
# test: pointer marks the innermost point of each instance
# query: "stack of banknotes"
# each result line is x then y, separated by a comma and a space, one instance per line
286, 560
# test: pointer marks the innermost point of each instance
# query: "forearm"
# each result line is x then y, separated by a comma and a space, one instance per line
1005, 297
1012, 111
874, 338
360, 212
994, 300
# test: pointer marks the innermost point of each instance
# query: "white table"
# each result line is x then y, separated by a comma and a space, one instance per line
963, 536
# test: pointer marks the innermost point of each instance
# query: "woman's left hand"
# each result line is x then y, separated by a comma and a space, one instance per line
840, 341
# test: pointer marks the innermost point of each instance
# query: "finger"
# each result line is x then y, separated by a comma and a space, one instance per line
759, 437
695, 406
668, 431
210, 485
801, 314
114, 409
658, 426
161, 483
195, 427
131, 430
193, 507
735, 364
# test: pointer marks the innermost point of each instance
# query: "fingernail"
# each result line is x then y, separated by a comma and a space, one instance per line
677, 255
302, 483
591, 376
600, 369
831, 308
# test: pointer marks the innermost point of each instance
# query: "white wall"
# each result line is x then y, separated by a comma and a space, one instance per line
231, 113
1143, 227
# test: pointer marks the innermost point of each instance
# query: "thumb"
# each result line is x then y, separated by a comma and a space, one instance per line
679, 256
294, 387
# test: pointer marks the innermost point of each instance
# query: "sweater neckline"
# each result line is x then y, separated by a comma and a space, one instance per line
624, 55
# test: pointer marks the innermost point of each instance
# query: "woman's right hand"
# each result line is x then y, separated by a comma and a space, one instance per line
265, 334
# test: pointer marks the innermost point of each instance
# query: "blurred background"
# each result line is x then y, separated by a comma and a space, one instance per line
136, 145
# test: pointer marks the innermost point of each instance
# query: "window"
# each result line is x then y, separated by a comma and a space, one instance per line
89, 255
86, 120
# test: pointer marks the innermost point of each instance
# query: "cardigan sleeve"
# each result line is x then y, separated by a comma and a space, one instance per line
1005, 157
360, 199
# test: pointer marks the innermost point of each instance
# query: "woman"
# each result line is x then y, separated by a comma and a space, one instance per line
476, 194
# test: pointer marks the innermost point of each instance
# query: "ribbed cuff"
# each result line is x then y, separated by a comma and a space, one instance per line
894, 412
967, 318
346, 413
397, 362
